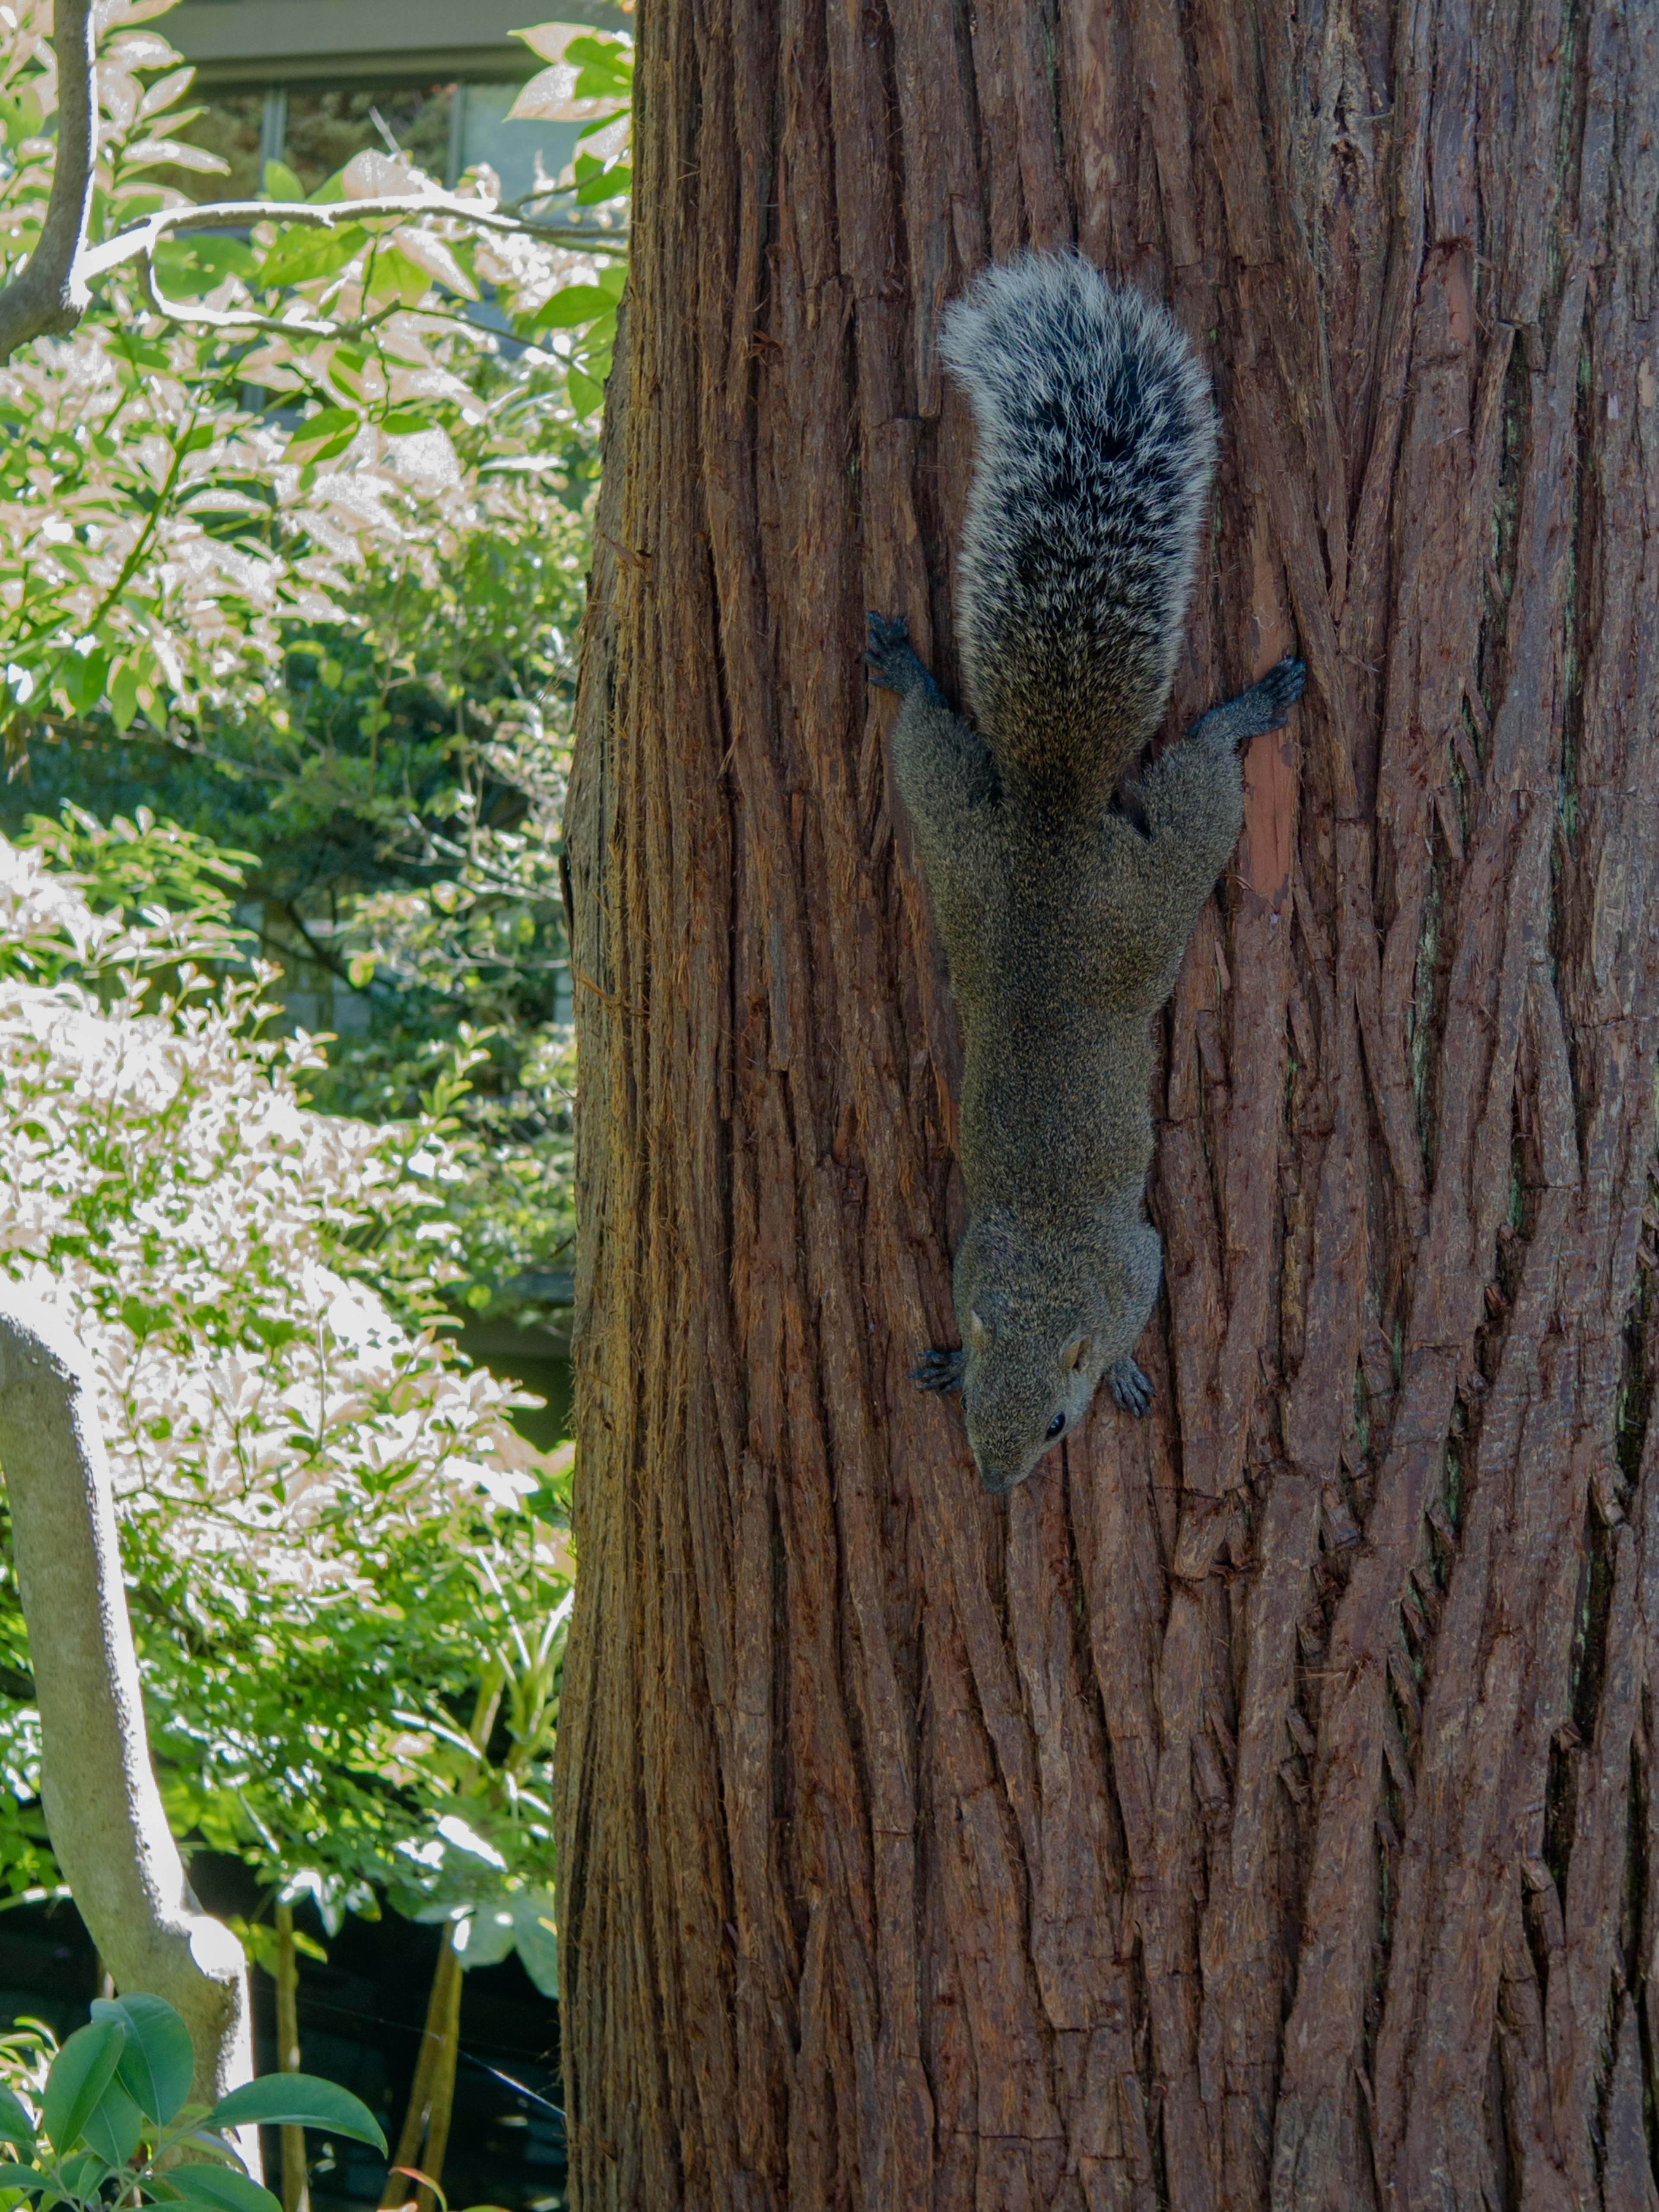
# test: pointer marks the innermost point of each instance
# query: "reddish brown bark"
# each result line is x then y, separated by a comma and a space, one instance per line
1255, 1808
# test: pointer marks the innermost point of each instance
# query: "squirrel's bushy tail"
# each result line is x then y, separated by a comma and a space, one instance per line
1097, 439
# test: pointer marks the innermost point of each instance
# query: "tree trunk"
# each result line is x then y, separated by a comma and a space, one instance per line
1255, 1808
296, 2195
104, 1812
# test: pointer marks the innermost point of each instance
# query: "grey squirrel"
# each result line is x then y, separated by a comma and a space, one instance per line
1063, 921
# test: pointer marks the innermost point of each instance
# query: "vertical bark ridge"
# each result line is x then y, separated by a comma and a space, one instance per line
1256, 1810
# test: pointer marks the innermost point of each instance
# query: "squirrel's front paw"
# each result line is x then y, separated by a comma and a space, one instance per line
940, 1371
1279, 691
891, 659
1131, 1388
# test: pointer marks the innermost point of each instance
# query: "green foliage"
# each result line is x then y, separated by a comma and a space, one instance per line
329, 1529
156, 535
104, 2120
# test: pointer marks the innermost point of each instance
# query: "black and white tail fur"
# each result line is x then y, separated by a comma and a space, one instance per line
1096, 443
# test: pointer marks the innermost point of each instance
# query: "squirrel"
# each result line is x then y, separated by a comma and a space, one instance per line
1063, 920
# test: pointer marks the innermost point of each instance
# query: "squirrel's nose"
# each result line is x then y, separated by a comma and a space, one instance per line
999, 1480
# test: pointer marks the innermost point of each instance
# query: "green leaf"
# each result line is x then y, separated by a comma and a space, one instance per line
612, 184
190, 266
222, 2189
123, 708
83, 2176
15, 2125
586, 396
298, 255
84, 680
20, 2177
79, 2075
113, 2125
325, 434
156, 2067
301, 2100
537, 1935
571, 307
279, 182
392, 276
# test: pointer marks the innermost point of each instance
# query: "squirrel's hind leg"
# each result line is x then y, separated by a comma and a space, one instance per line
940, 1371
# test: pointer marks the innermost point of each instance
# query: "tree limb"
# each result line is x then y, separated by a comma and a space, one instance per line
103, 1810
49, 298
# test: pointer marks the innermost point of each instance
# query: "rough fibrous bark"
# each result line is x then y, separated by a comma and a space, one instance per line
1257, 1809
49, 296
103, 1810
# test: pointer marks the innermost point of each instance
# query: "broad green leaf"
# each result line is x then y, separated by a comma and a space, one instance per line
279, 182
15, 2125
79, 2075
586, 396
222, 2189
190, 266
393, 275
156, 2067
83, 2176
122, 705
113, 2125
571, 307
298, 255
537, 1936
297, 2101
20, 2177
612, 184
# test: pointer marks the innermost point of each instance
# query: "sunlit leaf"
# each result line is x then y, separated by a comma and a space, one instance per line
298, 2101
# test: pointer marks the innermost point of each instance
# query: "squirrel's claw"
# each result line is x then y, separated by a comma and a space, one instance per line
1131, 1388
939, 1370
1279, 689
891, 658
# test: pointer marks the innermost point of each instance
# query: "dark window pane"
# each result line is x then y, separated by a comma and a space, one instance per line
326, 129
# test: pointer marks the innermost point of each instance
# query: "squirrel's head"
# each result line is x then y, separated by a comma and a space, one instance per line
1023, 1388
1044, 1314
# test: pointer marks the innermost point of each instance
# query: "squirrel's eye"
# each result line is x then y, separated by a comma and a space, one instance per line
1056, 1424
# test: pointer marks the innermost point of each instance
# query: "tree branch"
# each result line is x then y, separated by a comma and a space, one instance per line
103, 1810
49, 298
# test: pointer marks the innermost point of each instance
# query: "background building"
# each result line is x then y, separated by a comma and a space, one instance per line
311, 83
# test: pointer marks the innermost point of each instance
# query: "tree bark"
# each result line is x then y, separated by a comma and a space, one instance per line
1257, 1808
49, 296
103, 1811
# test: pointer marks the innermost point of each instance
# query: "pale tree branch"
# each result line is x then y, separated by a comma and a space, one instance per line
49, 298
103, 1810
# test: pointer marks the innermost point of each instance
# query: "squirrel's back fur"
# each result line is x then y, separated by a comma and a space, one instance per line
1096, 442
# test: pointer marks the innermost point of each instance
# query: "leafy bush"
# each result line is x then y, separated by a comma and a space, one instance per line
328, 1524
105, 2120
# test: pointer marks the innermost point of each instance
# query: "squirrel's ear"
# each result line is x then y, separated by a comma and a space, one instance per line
978, 1334
1075, 1354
